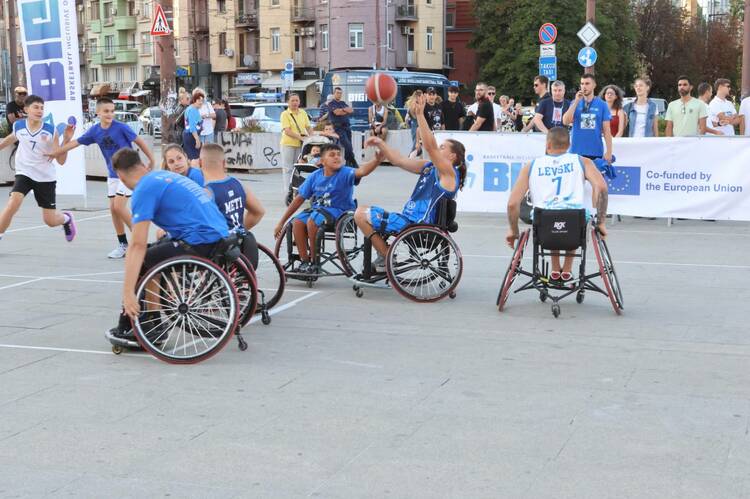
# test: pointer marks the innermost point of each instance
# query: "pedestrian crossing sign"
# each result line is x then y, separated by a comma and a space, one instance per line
160, 26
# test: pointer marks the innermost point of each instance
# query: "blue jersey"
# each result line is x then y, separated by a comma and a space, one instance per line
336, 191
179, 206
428, 191
110, 140
193, 120
588, 122
229, 196
196, 175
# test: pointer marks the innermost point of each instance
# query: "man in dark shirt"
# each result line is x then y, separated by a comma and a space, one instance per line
338, 112
433, 111
453, 110
485, 120
14, 110
549, 112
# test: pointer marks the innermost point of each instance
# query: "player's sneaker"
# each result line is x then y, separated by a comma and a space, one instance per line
379, 265
119, 251
69, 227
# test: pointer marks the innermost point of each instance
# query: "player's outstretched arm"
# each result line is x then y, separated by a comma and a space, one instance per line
367, 168
254, 210
519, 191
133, 262
430, 146
291, 210
62, 150
412, 165
10, 139
146, 150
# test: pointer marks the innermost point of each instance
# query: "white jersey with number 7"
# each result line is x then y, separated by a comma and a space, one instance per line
557, 182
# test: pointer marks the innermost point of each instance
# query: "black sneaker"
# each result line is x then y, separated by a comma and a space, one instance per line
122, 334
304, 268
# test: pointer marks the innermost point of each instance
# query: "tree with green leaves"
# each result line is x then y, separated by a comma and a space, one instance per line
507, 43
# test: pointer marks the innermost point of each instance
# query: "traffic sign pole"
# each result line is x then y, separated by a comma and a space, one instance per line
591, 17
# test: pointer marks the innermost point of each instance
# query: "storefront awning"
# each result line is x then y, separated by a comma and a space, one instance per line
300, 85
141, 93
241, 90
100, 89
273, 82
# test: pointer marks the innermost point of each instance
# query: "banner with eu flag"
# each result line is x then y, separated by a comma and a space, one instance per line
49, 36
686, 177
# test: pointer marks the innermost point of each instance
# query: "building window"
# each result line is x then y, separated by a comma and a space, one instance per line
429, 2
93, 46
133, 73
146, 72
275, 40
274, 3
356, 36
222, 43
450, 19
131, 40
449, 58
109, 46
221, 5
94, 74
389, 37
146, 11
119, 74
107, 74
323, 37
145, 43
430, 33
94, 10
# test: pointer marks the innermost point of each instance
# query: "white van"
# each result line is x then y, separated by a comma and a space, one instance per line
128, 105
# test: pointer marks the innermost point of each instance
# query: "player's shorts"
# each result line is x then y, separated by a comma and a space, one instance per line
115, 187
44, 192
320, 216
384, 221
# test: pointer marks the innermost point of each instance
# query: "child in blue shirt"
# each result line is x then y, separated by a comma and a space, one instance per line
331, 191
111, 136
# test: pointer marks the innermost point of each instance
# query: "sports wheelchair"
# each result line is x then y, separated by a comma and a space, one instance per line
334, 237
561, 230
301, 167
191, 306
423, 263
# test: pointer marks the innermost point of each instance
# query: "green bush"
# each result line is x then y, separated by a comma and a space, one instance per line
4, 129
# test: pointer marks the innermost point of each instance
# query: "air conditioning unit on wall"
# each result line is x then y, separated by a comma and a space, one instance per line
229, 52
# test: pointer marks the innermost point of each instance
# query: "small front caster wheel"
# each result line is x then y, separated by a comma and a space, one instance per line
452, 295
242, 344
265, 317
359, 293
116, 349
542, 297
580, 297
556, 310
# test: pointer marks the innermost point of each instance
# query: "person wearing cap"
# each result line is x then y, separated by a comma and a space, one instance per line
454, 111
433, 109
14, 110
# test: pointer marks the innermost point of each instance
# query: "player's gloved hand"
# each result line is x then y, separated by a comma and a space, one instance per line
510, 238
130, 305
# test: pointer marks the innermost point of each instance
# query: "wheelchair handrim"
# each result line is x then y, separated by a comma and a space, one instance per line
346, 232
243, 277
260, 272
604, 271
195, 323
511, 272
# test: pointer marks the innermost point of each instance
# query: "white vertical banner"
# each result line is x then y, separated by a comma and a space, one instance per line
49, 36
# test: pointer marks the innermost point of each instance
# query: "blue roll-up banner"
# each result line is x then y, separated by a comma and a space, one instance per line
49, 36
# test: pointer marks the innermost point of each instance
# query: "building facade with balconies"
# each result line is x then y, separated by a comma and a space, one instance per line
460, 60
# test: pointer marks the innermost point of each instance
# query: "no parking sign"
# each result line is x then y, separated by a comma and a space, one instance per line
547, 33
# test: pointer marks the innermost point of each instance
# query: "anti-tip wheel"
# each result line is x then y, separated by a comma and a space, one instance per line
542, 297
452, 295
265, 318
580, 296
359, 293
556, 310
309, 283
241, 343
116, 349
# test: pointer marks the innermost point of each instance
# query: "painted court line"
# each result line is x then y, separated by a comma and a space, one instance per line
46, 227
273, 311
624, 262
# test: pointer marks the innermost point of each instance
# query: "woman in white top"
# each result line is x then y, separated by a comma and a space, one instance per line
642, 114
208, 115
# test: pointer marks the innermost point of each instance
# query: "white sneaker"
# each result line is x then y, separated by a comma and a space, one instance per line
119, 251
379, 265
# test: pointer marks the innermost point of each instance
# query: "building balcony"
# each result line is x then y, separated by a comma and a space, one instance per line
302, 14
247, 21
129, 56
125, 23
95, 26
406, 13
248, 62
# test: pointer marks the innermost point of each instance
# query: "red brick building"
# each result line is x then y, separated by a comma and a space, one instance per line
459, 28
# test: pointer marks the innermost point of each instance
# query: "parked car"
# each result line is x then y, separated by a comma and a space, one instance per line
149, 118
266, 114
128, 105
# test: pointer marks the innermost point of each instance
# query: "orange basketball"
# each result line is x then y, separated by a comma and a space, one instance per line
381, 88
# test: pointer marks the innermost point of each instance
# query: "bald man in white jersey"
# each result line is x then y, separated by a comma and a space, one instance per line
556, 181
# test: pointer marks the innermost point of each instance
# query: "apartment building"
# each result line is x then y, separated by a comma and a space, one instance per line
460, 60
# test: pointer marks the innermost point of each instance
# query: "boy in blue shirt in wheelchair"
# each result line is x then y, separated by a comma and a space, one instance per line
331, 192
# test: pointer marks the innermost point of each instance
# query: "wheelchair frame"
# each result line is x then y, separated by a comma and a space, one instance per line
539, 281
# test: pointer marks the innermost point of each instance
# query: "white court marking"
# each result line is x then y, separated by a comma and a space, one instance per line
624, 262
22, 229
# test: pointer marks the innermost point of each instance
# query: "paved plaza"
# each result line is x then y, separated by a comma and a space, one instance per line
345, 397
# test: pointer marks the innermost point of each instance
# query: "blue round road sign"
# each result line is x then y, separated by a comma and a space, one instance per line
587, 57
547, 33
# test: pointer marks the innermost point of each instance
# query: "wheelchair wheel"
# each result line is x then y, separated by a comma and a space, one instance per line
243, 277
512, 272
607, 271
191, 315
270, 277
424, 264
350, 245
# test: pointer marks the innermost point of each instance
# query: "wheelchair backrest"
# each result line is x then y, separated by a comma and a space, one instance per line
227, 249
560, 229
446, 215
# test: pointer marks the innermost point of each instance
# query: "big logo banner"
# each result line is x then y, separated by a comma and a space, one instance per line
686, 177
50, 47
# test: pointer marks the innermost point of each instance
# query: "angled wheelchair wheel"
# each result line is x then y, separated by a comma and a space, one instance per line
243, 277
350, 244
270, 278
191, 310
285, 250
424, 264
512, 271
607, 271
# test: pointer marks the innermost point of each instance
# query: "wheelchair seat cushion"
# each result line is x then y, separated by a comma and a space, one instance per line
560, 229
